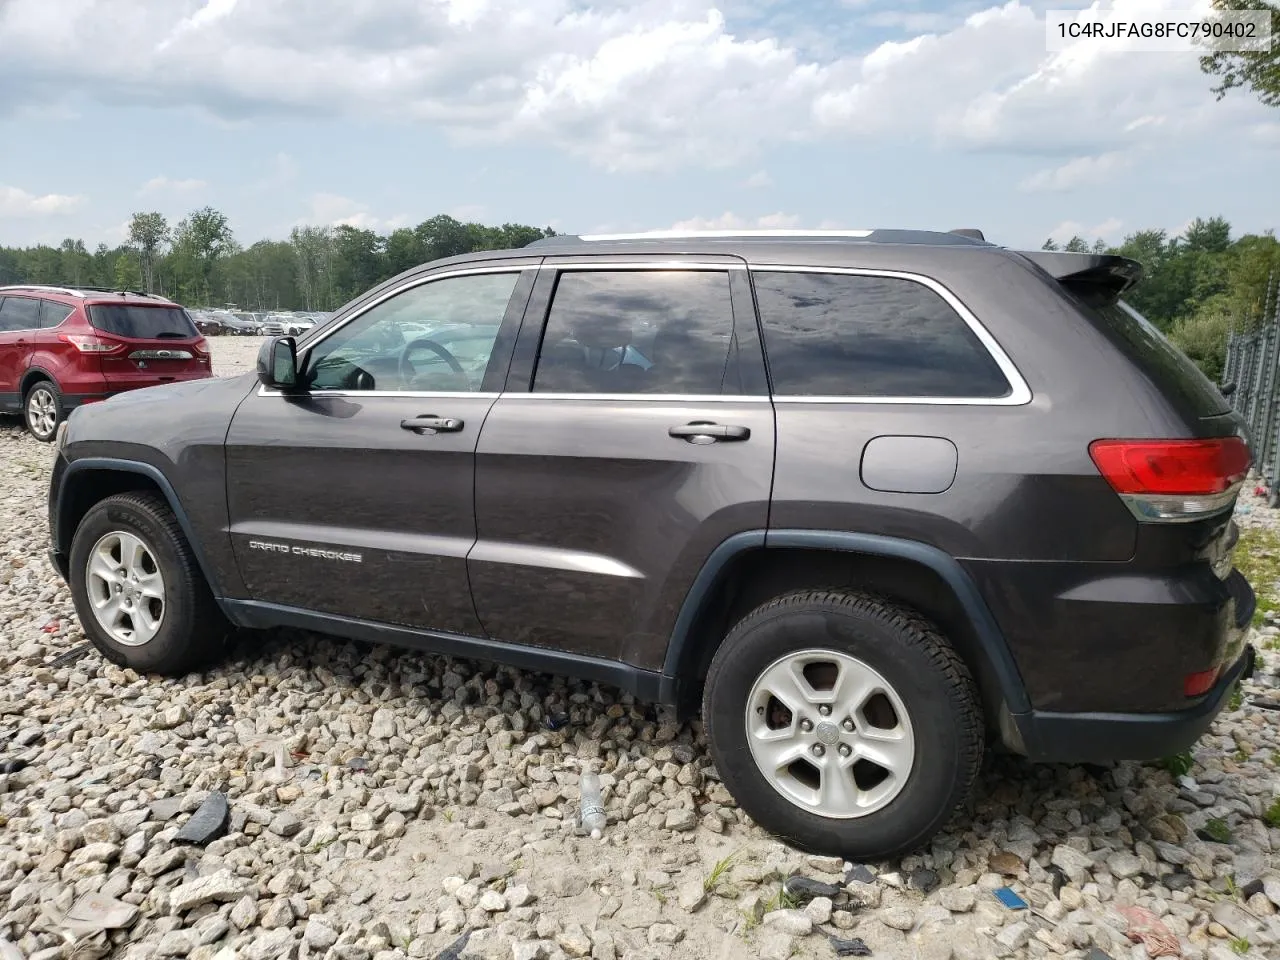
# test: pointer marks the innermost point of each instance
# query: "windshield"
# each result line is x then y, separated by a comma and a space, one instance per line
142, 322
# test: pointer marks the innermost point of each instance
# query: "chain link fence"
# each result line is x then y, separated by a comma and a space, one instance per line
1253, 367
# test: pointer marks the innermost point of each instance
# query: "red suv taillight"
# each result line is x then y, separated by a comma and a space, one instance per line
91, 343
1173, 480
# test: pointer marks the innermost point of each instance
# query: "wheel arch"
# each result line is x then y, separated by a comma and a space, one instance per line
753, 567
31, 377
89, 481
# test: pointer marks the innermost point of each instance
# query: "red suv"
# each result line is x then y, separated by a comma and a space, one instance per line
62, 347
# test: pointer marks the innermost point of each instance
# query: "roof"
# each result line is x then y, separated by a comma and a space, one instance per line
82, 292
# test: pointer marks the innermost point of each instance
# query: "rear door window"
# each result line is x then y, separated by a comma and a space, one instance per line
846, 335
142, 322
640, 332
19, 313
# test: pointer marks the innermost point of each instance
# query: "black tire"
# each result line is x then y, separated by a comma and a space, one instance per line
911, 655
42, 389
193, 632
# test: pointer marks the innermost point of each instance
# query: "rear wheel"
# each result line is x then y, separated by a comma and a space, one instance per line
843, 724
42, 408
138, 590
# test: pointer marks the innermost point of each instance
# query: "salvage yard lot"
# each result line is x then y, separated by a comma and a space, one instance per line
382, 802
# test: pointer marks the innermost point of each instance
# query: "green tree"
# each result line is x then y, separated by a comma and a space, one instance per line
127, 275
148, 232
200, 241
1257, 69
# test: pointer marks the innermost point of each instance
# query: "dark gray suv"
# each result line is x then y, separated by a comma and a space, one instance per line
873, 501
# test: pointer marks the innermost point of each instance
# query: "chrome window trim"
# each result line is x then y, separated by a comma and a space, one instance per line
305, 351
653, 397
378, 394
1019, 391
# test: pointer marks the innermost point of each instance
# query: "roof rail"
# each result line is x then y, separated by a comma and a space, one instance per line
966, 236
47, 288
83, 292
730, 234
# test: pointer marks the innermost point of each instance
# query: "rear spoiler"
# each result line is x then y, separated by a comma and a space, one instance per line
1096, 277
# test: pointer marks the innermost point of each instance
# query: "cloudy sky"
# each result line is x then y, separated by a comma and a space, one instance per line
591, 115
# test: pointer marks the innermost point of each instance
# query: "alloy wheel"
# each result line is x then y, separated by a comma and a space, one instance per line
829, 733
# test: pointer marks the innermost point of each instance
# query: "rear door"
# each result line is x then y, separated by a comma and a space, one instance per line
158, 344
635, 435
19, 324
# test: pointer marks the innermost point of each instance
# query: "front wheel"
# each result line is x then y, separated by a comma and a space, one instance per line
42, 409
843, 724
138, 591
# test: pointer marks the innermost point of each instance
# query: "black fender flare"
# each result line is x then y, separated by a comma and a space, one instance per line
155, 475
993, 646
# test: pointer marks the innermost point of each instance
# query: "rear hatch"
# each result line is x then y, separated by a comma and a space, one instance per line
147, 344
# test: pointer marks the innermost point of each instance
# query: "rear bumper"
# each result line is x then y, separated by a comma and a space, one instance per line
1103, 737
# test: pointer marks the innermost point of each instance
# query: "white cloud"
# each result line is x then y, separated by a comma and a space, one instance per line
758, 180
1079, 172
165, 185
631, 84
1108, 230
16, 202
732, 221
332, 210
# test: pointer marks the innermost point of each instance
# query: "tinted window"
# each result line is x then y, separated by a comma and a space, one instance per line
1167, 366
19, 313
142, 322
853, 336
639, 331
436, 337
53, 313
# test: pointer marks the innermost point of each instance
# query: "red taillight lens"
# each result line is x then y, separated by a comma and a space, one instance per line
1173, 480
1197, 683
201, 348
1188, 467
91, 344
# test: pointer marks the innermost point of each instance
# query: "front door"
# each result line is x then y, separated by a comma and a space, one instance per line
356, 497
645, 440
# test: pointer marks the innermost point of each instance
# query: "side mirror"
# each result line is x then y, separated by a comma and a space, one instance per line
278, 363
1227, 389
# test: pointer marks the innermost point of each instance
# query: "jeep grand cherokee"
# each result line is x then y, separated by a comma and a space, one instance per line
875, 501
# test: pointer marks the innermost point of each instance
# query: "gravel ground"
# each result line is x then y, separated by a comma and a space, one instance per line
383, 803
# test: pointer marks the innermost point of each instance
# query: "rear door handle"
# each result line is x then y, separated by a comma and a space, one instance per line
434, 424
704, 431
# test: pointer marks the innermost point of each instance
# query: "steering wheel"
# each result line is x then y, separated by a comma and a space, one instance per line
407, 371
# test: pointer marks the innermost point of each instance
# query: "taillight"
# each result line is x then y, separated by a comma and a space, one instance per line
91, 344
1173, 480
201, 349
1195, 684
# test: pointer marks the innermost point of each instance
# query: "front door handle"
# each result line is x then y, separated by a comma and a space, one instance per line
433, 424
705, 431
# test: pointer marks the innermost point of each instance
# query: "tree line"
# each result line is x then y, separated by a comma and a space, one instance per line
1198, 285
1201, 284
199, 262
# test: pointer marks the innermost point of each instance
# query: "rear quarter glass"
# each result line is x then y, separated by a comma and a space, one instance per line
141, 321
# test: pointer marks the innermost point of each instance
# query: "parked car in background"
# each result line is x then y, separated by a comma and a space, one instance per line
63, 347
874, 501
242, 325
208, 325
